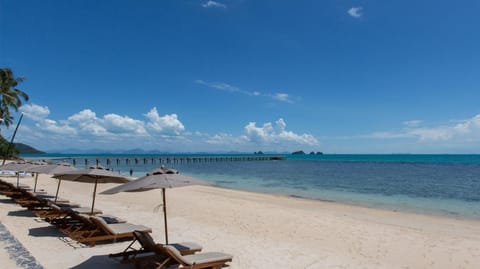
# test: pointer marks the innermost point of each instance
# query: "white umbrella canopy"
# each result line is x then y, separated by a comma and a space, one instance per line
21, 166
51, 169
158, 179
92, 175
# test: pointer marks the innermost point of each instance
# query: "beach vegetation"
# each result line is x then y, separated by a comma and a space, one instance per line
7, 151
11, 97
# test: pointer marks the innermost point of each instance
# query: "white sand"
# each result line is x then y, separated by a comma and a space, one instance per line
260, 230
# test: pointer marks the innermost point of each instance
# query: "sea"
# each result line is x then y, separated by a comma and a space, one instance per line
442, 185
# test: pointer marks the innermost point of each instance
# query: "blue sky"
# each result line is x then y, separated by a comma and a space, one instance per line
336, 76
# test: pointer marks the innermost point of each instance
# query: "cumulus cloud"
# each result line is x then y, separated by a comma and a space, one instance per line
168, 124
267, 136
35, 112
355, 12
269, 133
86, 121
120, 124
211, 3
87, 129
110, 126
283, 97
54, 127
84, 115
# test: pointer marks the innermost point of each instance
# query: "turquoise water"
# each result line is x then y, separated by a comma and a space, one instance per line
428, 184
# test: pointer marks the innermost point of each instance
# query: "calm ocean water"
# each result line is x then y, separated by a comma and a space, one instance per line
428, 184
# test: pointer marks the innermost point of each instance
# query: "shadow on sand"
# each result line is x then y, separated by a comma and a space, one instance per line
101, 261
7, 201
21, 213
47, 231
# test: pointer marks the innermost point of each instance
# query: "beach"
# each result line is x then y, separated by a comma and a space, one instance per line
259, 230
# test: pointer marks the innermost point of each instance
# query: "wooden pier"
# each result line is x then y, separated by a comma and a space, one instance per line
166, 160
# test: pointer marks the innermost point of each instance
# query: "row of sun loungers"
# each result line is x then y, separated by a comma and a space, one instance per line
73, 220
81, 225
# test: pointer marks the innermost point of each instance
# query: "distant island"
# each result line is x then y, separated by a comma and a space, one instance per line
301, 152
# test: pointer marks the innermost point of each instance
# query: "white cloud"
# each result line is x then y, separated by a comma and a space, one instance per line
35, 112
109, 127
211, 3
463, 130
84, 115
86, 121
259, 134
268, 133
86, 129
118, 124
283, 97
218, 85
53, 127
168, 124
355, 12
267, 137
224, 139
412, 123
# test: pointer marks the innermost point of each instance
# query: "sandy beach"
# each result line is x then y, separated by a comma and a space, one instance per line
259, 230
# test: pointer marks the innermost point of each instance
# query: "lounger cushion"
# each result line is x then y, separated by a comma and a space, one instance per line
120, 228
110, 219
187, 246
206, 257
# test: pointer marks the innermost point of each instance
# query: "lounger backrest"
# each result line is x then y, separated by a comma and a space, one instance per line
85, 218
174, 253
101, 224
145, 240
54, 206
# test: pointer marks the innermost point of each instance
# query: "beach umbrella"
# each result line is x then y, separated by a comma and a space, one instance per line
158, 179
51, 169
92, 175
20, 166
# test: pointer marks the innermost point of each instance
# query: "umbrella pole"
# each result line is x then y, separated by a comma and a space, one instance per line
35, 186
58, 188
165, 215
94, 192
18, 178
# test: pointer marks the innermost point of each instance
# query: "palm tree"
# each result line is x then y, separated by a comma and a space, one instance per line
10, 96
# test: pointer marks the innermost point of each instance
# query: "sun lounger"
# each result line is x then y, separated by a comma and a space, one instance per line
213, 260
109, 232
80, 226
50, 211
11, 190
32, 200
149, 249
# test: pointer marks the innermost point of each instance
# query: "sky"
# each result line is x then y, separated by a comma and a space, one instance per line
337, 76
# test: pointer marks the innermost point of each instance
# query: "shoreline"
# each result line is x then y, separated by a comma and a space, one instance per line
260, 230
449, 215
342, 205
